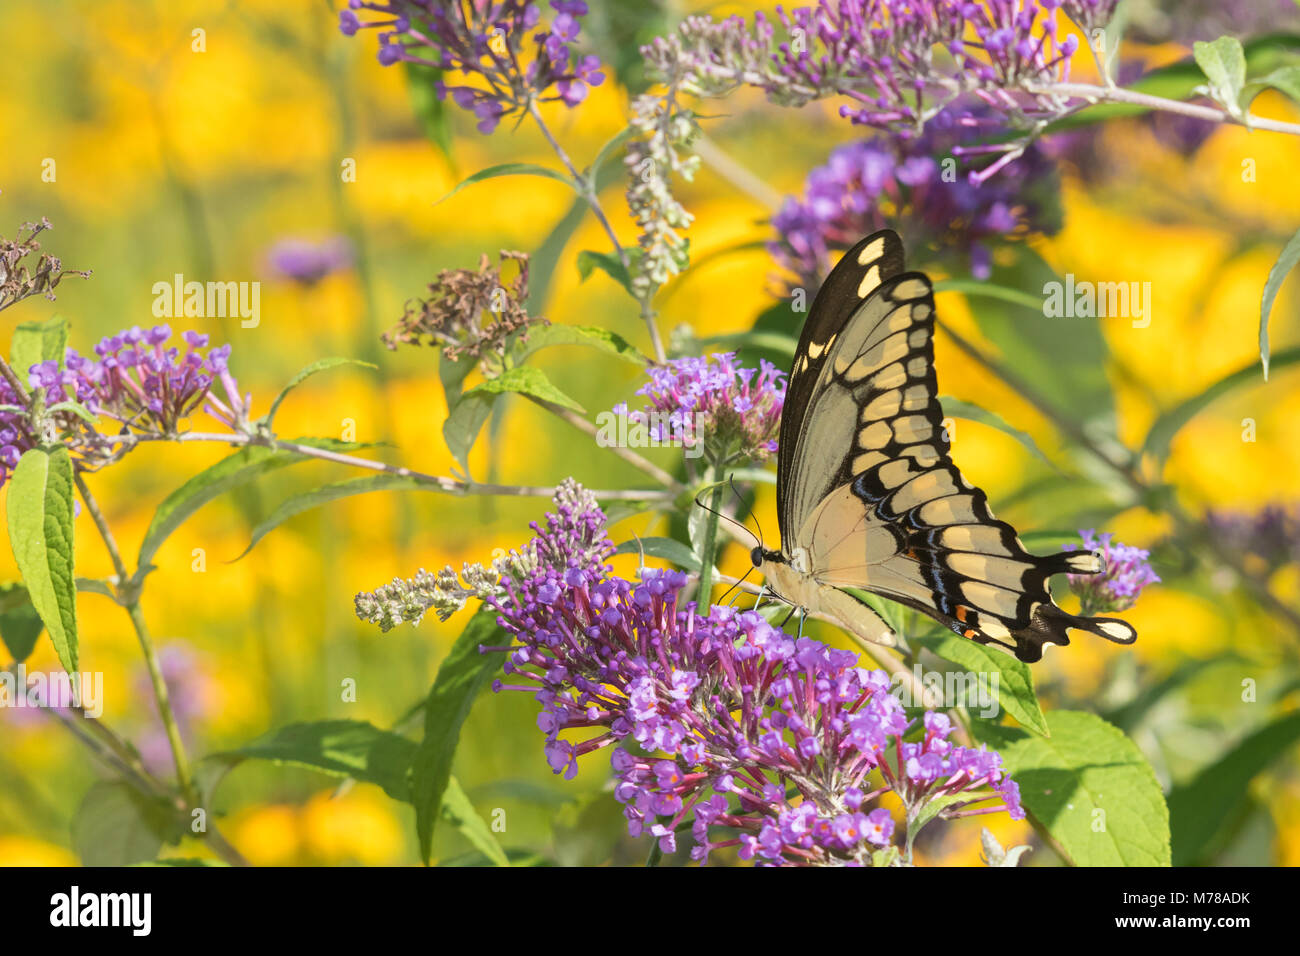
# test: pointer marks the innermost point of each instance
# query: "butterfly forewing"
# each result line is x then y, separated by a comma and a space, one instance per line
867, 494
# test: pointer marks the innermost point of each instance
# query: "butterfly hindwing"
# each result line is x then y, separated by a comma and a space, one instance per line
868, 496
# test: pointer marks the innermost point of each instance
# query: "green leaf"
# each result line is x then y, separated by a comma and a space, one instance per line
590, 336
930, 810
768, 341
467, 418
589, 261
1286, 261
116, 825
1015, 682
1178, 81
320, 365
544, 263
990, 290
666, 548
1063, 360
340, 748
1285, 80
460, 813
960, 409
429, 109
1162, 432
463, 674
41, 535
1223, 61
462, 426
1084, 766
244, 466
36, 342
524, 380
76, 408
1130, 715
510, 169
612, 145
182, 861
20, 625
1200, 808
327, 493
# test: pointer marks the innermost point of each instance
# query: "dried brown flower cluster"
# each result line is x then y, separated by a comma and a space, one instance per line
468, 312
18, 280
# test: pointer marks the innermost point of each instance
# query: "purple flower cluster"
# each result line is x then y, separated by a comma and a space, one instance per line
723, 725
734, 412
148, 385
306, 262
1271, 535
486, 41
912, 184
136, 379
1127, 571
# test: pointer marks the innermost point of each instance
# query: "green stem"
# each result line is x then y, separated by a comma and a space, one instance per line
709, 545
656, 854
131, 601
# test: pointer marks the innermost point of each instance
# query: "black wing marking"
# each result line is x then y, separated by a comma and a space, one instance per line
862, 269
898, 518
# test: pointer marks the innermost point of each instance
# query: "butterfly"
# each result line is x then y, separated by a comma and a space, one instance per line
867, 495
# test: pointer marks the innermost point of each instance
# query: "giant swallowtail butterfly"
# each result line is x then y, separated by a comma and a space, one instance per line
867, 496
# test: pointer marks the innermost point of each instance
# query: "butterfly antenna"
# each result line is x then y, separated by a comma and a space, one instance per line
724, 517
734, 586
732, 480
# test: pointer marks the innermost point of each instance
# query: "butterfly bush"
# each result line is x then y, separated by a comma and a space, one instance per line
898, 64
912, 181
498, 53
135, 379
733, 412
1271, 536
720, 725
1127, 571
306, 262
575, 535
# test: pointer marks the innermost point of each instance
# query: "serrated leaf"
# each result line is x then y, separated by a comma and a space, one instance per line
327, 493
115, 825
340, 748
509, 169
320, 365
462, 675
36, 342
1200, 808
40, 510
589, 261
1223, 61
666, 548
590, 336
1015, 681
960, 409
1162, 432
460, 813
1286, 261
244, 466
1084, 766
